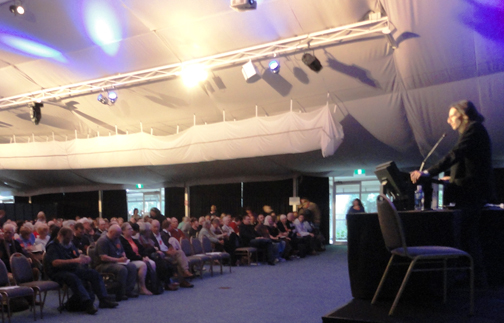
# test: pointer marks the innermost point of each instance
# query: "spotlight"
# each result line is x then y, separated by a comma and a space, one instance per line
250, 72
274, 66
102, 98
312, 62
35, 112
242, 5
17, 8
390, 38
193, 74
112, 96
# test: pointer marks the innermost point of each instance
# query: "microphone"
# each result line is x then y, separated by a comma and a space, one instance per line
431, 151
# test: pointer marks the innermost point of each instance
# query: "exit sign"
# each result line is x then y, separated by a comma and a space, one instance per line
359, 172
139, 185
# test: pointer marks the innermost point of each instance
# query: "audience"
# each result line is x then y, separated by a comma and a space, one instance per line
175, 232
135, 253
250, 238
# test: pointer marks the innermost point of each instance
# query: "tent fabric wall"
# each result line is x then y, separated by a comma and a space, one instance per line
275, 194
287, 133
227, 198
174, 202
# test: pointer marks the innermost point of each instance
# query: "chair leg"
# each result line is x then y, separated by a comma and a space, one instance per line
382, 281
9, 314
471, 287
444, 281
403, 285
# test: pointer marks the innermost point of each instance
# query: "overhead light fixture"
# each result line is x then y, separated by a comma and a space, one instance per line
388, 34
242, 5
102, 98
193, 74
35, 112
274, 66
112, 96
17, 8
250, 72
312, 62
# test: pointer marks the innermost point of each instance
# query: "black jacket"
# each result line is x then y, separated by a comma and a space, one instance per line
470, 164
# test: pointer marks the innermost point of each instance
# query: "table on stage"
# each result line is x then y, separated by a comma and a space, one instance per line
368, 257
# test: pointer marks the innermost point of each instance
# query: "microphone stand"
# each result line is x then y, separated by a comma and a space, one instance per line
431, 151
427, 184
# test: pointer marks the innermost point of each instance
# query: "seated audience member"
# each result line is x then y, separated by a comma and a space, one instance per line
101, 230
250, 238
88, 230
26, 238
136, 230
194, 230
134, 251
177, 257
302, 227
248, 211
164, 267
43, 235
8, 245
80, 241
135, 217
206, 231
284, 247
185, 220
69, 223
41, 217
120, 221
174, 231
235, 224
262, 231
213, 211
200, 222
226, 228
111, 258
64, 265
165, 231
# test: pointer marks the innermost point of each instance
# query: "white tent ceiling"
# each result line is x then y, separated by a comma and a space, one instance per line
391, 103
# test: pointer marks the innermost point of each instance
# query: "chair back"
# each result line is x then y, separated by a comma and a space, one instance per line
91, 252
196, 244
390, 224
4, 276
207, 244
21, 268
185, 245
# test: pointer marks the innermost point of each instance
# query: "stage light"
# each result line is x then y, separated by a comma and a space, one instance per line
102, 98
193, 74
242, 5
274, 66
17, 8
35, 112
112, 96
250, 72
312, 62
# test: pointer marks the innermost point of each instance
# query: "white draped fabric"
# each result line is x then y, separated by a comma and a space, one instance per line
288, 133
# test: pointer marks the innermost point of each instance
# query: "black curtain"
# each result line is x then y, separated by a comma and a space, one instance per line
174, 202
227, 198
275, 194
66, 205
316, 189
114, 204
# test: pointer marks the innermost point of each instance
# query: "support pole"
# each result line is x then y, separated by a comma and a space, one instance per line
100, 199
187, 200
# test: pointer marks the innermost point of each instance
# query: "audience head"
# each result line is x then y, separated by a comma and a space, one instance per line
144, 228
238, 219
54, 232
9, 231
358, 203
42, 229
114, 232
226, 220
135, 212
301, 218
120, 221
213, 208
25, 232
246, 219
201, 220
174, 223
260, 218
127, 230
78, 229
194, 223
166, 224
268, 220
206, 224
102, 224
155, 213
65, 236
216, 222
283, 218
41, 216
155, 227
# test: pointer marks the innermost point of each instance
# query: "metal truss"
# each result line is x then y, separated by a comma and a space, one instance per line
313, 40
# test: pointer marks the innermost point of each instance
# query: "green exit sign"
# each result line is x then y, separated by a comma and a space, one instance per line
139, 185
359, 172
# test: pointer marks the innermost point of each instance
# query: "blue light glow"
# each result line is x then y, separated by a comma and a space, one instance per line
31, 47
102, 25
112, 95
274, 66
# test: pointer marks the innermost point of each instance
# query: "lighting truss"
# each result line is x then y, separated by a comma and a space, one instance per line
267, 50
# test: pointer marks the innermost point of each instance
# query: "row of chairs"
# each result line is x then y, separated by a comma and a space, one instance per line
25, 285
200, 252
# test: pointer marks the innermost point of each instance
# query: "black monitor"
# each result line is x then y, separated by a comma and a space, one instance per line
397, 185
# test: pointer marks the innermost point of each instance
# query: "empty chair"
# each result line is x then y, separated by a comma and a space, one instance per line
198, 252
395, 241
23, 275
192, 260
7, 292
207, 249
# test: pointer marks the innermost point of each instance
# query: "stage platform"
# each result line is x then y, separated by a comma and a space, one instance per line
489, 308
